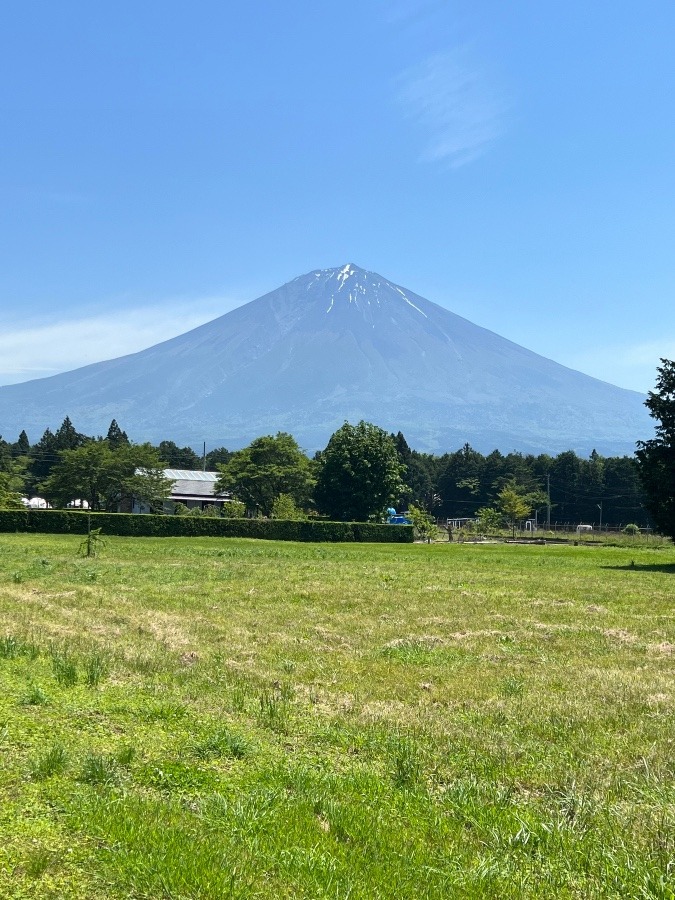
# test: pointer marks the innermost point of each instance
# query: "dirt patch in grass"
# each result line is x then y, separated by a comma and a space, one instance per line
621, 635
167, 629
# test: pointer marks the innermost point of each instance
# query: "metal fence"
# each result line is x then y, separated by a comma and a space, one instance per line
469, 524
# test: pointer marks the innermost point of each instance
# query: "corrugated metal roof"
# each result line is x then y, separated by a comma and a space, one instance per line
193, 485
189, 475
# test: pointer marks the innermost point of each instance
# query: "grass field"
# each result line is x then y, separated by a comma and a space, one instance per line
203, 718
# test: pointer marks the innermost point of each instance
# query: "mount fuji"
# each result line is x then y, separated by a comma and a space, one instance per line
334, 345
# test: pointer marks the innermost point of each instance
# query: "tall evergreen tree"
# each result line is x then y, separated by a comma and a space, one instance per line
21, 447
624, 498
42, 457
657, 456
115, 436
67, 438
420, 476
12, 467
565, 486
5, 454
177, 457
462, 483
219, 456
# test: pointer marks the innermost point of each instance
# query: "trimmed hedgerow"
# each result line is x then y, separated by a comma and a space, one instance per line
57, 521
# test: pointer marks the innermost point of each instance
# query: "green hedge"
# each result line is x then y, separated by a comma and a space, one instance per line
61, 521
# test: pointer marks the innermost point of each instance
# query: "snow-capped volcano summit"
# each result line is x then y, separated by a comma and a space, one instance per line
350, 283
358, 287
334, 345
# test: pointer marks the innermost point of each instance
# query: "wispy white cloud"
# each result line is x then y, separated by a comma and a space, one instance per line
451, 97
49, 347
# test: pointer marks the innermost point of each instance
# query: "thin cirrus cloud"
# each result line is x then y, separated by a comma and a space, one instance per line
45, 349
452, 99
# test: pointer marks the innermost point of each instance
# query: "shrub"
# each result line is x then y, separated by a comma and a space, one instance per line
48, 521
284, 508
423, 523
489, 520
233, 509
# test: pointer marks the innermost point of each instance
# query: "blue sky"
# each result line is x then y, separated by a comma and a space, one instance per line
164, 162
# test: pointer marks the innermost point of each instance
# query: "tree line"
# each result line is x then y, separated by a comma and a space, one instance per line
362, 470
568, 487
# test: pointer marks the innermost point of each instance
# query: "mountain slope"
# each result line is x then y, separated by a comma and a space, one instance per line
332, 345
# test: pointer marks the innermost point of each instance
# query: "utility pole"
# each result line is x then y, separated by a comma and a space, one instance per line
204, 458
599, 505
548, 502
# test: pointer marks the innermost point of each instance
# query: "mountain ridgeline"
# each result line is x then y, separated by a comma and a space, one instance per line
334, 345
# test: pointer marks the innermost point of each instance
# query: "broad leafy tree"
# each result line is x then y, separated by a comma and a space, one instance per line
656, 457
84, 473
141, 472
514, 506
9, 499
107, 477
360, 473
267, 468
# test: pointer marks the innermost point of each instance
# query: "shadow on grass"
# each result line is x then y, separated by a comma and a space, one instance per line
668, 568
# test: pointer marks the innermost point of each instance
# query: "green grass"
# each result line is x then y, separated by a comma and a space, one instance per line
208, 718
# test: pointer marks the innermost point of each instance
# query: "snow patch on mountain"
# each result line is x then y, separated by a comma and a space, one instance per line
410, 303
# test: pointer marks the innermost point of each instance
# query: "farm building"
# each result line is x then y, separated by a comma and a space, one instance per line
196, 489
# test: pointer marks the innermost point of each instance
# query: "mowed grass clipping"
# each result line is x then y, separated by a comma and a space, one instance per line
204, 718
